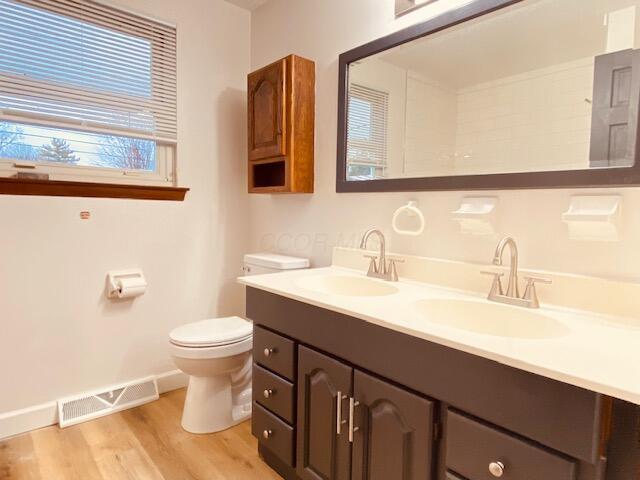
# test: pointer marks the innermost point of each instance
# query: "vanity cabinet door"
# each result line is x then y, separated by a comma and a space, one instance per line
267, 111
394, 436
324, 387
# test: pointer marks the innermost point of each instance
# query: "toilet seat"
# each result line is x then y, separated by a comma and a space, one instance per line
212, 333
212, 352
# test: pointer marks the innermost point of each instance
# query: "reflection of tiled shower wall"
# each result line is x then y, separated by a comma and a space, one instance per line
430, 130
540, 118
537, 119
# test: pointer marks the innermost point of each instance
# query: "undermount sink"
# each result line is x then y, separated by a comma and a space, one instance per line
347, 285
490, 318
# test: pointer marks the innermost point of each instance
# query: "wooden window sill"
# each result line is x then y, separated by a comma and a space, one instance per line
56, 188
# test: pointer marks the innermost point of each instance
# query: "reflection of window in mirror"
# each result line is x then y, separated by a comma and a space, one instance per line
367, 131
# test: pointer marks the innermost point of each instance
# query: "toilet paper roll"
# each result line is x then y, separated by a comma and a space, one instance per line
130, 287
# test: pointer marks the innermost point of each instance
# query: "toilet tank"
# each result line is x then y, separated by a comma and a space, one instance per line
259, 263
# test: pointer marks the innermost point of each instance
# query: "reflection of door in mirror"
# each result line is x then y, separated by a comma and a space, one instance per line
615, 109
542, 85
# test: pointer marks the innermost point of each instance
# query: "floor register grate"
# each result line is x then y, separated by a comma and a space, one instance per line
87, 406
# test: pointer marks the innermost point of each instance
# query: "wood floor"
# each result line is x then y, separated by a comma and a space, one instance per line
144, 443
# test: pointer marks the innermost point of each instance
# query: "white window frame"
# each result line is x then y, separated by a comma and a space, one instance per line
165, 149
164, 175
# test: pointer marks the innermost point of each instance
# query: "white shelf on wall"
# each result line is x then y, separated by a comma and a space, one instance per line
477, 215
593, 218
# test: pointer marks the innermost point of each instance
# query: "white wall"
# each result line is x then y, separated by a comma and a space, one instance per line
311, 224
58, 333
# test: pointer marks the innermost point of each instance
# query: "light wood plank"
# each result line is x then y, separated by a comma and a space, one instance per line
18, 460
144, 443
117, 451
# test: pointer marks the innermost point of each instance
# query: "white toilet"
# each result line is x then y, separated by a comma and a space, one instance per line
216, 354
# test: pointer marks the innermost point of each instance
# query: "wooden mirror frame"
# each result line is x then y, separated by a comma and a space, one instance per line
586, 178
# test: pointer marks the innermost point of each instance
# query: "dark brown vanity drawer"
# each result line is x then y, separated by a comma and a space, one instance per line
273, 433
273, 393
473, 446
274, 352
452, 476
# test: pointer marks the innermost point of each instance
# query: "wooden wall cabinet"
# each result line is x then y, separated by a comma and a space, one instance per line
281, 122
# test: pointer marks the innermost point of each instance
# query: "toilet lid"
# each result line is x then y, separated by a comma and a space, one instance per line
212, 332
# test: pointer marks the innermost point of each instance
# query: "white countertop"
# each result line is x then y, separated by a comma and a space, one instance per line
597, 352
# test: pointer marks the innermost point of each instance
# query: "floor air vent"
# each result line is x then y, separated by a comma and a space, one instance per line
99, 403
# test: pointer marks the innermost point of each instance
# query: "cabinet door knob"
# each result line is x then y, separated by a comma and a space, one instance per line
267, 434
268, 393
269, 351
496, 469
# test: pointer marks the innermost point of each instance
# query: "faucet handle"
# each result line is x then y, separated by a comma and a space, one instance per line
393, 272
395, 259
531, 280
496, 286
373, 266
530, 293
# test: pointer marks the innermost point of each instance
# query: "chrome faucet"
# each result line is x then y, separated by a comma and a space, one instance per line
386, 270
512, 296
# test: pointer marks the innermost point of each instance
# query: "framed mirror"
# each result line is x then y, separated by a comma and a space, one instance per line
497, 94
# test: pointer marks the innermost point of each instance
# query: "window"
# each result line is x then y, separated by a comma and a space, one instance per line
367, 133
87, 92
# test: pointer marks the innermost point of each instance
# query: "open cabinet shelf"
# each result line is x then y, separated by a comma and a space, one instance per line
268, 176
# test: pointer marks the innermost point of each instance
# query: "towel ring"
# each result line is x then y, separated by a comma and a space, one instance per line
410, 208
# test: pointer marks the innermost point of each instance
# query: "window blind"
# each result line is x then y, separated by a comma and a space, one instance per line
84, 65
367, 126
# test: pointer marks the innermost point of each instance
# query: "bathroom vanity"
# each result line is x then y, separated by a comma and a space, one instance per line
430, 377
340, 396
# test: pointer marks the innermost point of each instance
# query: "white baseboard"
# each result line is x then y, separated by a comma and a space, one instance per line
27, 419
39, 416
172, 380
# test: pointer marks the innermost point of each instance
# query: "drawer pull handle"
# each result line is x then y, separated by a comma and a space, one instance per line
268, 393
269, 351
267, 434
496, 469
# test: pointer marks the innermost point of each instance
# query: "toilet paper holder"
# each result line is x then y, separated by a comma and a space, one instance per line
126, 283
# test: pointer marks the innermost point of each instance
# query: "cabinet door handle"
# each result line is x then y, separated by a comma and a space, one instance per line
267, 434
268, 393
269, 351
353, 403
339, 421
